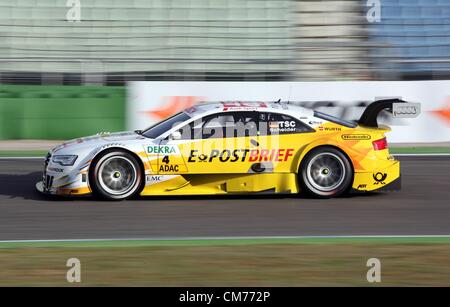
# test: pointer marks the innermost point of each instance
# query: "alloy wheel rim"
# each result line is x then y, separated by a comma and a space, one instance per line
117, 175
326, 172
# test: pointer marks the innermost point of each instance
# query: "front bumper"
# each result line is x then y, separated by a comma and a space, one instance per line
63, 191
59, 180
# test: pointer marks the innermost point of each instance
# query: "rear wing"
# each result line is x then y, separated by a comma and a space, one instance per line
398, 108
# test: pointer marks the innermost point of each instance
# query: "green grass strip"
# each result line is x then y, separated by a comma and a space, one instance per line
226, 242
23, 153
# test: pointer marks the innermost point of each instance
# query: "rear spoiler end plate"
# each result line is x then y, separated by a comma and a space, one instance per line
405, 110
398, 108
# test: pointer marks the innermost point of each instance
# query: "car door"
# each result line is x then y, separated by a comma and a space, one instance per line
163, 156
280, 138
219, 143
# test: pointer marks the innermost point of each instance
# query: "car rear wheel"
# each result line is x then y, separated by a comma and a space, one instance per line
326, 172
115, 175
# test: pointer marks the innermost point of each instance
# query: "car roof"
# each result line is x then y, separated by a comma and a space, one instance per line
260, 106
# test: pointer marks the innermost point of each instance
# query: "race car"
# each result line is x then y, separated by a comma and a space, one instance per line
232, 148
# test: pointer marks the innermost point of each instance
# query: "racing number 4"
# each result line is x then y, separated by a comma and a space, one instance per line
166, 159
164, 168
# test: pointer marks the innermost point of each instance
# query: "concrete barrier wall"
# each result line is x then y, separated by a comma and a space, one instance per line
60, 112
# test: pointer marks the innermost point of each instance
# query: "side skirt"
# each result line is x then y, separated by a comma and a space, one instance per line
219, 184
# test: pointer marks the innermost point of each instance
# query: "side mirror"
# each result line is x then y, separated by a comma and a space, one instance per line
176, 135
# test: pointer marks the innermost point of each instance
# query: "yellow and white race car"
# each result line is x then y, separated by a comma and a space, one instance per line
232, 148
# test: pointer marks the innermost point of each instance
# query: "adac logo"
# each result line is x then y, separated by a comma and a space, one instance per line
379, 178
171, 105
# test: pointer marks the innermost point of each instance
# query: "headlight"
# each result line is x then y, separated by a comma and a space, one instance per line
64, 160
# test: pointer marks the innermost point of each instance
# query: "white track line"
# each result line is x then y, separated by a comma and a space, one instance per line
227, 238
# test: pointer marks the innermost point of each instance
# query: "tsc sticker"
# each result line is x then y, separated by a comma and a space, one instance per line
283, 126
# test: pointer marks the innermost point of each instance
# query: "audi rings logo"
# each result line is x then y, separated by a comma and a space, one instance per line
379, 178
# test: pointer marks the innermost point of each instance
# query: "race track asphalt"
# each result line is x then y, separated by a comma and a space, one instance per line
422, 207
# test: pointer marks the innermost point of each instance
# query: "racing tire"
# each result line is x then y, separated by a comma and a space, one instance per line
325, 172
115, 175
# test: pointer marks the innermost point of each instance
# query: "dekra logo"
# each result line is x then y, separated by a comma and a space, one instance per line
157, 149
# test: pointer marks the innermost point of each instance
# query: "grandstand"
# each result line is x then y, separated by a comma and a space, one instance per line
147, 39
412, 41
330, 40
239, 40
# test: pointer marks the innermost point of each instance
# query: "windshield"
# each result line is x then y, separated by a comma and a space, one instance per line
156, 130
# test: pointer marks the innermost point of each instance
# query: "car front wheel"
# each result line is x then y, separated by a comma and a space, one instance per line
115, 175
